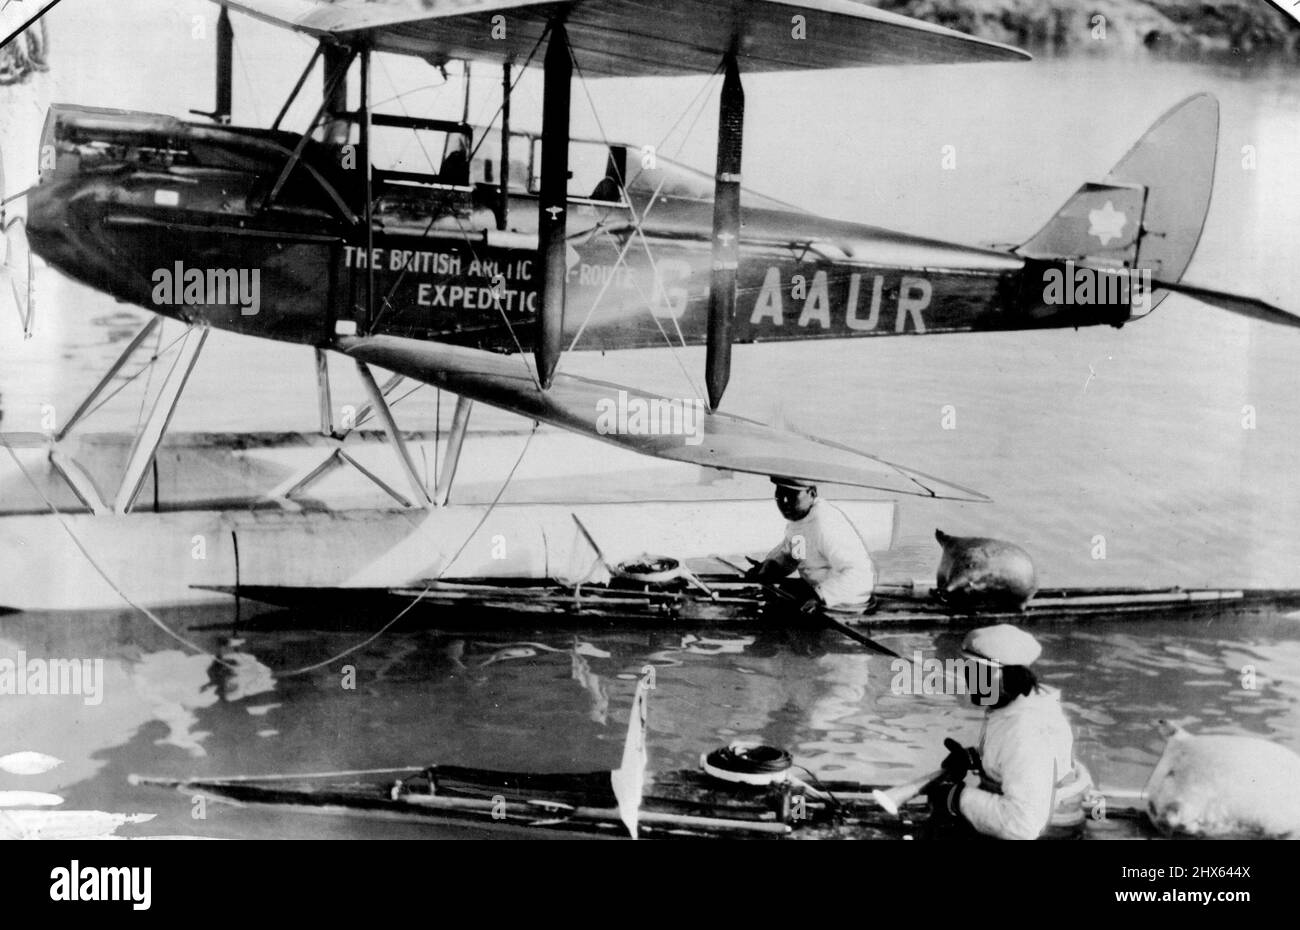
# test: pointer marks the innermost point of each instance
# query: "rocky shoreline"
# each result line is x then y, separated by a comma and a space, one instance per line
1232, 29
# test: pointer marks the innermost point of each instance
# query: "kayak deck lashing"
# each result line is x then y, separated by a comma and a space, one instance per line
486, 602
675, 804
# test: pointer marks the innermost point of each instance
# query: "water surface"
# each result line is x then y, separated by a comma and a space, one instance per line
1133, 436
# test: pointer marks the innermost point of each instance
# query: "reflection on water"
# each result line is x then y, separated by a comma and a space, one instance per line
531, 700
175, 685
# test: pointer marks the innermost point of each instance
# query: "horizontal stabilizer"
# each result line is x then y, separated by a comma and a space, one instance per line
1251, 307
1148, 214
613, 38
678, 429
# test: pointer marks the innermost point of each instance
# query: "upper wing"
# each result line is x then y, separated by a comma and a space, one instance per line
585, 406
614, 38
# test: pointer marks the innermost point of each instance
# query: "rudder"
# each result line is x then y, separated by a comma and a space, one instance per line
1149, 211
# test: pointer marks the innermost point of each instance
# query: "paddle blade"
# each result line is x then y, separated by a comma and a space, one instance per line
628, 779
861, 638
887, 804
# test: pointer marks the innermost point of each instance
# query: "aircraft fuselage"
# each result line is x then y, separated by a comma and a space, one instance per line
178, 218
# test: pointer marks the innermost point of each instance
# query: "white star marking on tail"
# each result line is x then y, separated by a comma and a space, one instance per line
1107, 223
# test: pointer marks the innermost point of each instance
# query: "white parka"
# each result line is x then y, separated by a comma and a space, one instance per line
830, 555
1027, 749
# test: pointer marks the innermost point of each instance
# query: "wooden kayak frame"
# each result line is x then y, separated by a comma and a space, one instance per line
469, 603
681, 804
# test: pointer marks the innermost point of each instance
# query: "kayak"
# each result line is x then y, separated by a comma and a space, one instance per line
725, 600
679, 804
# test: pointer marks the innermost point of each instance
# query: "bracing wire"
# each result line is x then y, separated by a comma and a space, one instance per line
429, 585
621, 259
387, 300
153, 618
637, 222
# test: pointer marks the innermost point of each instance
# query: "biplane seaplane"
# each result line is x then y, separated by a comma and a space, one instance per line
476, 274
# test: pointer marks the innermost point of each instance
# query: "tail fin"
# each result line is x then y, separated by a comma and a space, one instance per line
1147, 216
1149, 211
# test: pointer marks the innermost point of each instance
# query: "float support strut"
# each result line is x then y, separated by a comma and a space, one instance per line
132, 346
77, 479
323, 401
155, 427
455, 441
385, 414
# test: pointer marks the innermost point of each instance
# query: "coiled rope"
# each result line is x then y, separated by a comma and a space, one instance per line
428, 587
748, 759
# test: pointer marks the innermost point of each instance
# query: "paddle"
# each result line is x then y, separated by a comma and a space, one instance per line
894, 798
829, 621
858, 637
591, 540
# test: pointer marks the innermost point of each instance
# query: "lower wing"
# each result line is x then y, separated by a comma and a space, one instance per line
607, 412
